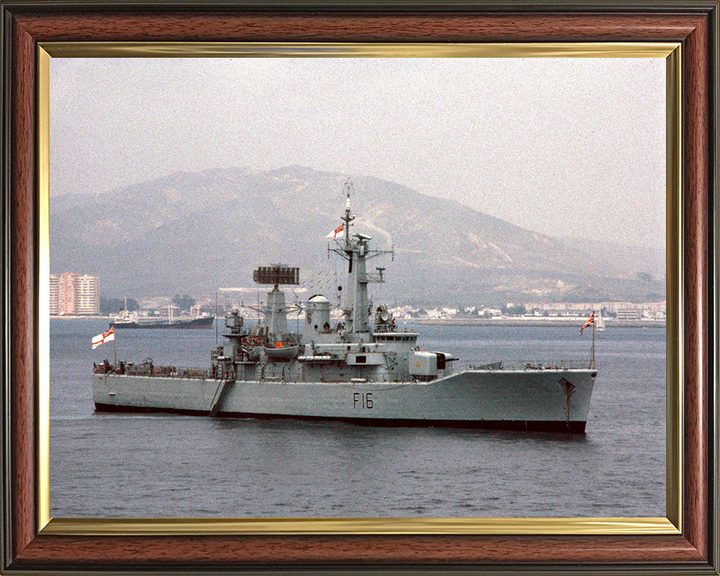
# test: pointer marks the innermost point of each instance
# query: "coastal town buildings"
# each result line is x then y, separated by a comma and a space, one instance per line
536, 313
74, 294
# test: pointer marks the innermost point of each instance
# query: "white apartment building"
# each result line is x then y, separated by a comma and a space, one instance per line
54, 294
88, 298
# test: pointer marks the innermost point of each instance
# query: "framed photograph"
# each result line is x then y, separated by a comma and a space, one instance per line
89, 90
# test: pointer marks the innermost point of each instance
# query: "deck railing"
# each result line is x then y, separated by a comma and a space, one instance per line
533, 365
208, 373
151, 370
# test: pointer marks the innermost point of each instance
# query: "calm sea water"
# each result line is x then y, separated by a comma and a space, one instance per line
113, 465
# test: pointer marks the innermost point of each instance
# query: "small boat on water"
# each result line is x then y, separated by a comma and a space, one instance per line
600, 324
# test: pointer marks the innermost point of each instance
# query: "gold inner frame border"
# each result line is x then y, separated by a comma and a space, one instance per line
671, 524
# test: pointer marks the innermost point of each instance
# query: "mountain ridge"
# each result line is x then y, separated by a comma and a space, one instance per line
191, 232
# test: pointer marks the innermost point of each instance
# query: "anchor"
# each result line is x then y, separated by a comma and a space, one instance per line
569, 388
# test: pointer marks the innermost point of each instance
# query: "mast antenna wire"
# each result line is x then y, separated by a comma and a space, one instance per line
347, 218
347, 190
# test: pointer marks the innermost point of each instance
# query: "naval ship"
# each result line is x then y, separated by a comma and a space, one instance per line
360, 369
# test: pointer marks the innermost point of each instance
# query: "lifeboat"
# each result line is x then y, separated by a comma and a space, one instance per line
282, 351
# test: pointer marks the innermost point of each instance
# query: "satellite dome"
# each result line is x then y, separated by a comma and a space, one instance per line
318, 298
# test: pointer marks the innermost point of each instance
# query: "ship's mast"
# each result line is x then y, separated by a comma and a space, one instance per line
593, 343
347, 217
355, 248
355, 297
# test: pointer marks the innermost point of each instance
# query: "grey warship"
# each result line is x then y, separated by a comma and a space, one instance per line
360, 370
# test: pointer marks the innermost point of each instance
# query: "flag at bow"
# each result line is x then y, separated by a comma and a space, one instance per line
589, 322
339, 232
104, 337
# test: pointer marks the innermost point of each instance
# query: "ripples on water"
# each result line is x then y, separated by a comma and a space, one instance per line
163, 465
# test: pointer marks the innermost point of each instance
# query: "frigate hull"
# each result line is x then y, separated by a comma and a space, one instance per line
548, 400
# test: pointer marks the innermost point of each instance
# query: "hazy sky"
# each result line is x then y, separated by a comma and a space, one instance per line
567, 147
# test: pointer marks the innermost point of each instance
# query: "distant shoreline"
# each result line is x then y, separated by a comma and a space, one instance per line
80, 317
542, 321
508, 321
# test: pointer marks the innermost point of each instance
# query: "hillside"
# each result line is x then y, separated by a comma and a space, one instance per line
195, 232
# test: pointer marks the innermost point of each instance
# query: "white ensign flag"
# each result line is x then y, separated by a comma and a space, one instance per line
337, 233
104, 337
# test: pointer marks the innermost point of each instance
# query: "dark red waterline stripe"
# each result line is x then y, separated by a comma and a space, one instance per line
515, 425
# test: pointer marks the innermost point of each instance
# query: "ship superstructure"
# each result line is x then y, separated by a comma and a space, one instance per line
360, 369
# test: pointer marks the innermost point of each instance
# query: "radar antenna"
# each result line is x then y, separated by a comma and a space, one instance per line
277, 274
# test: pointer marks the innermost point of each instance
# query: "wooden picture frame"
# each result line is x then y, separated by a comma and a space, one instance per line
29, 546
